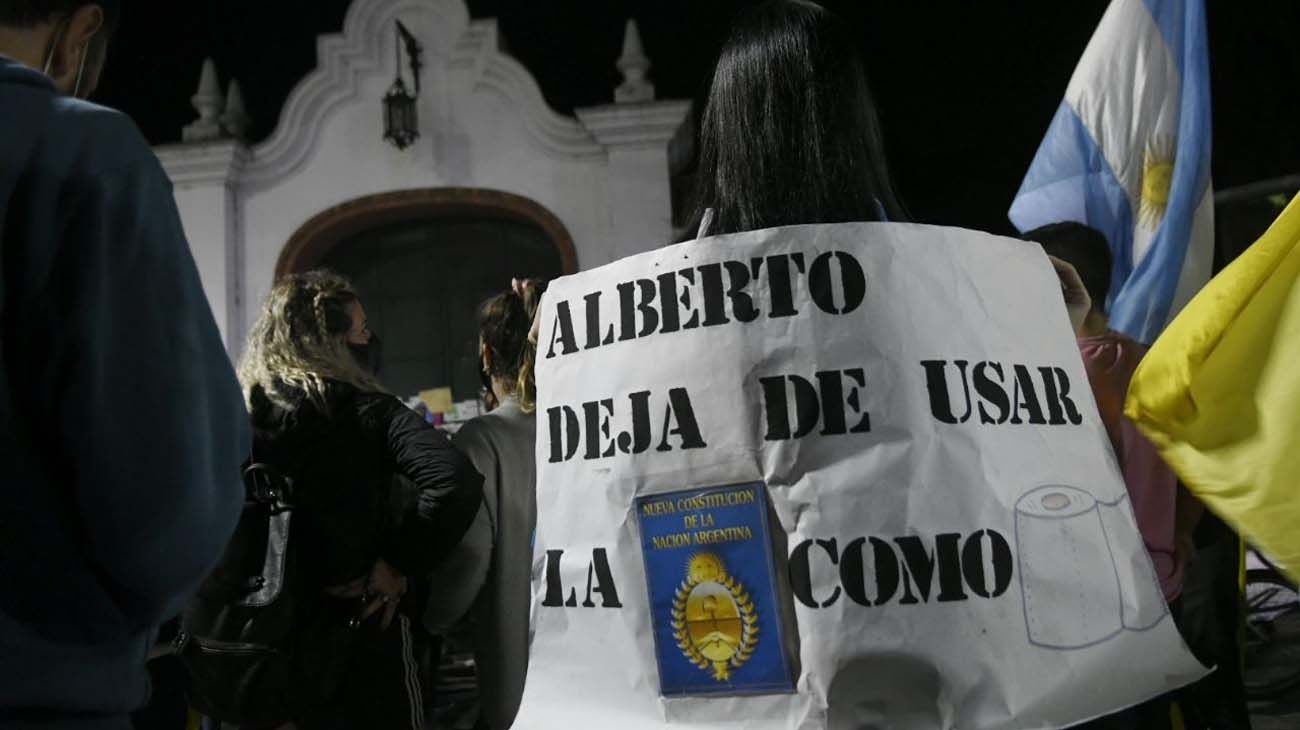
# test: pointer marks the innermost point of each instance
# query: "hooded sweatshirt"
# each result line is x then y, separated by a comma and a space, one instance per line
121, 421
1110, 360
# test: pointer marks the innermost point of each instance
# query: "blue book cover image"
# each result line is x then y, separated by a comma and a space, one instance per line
714, 603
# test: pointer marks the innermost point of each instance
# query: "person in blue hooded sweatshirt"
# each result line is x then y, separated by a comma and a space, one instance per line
122, 426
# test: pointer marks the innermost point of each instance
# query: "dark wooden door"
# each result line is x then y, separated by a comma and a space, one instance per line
422, 282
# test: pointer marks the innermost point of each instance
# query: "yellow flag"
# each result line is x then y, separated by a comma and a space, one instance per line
1219, 393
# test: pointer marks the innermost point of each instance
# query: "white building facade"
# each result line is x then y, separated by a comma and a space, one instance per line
596, 185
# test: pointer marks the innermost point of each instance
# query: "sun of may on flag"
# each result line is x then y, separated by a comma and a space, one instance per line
1128, 153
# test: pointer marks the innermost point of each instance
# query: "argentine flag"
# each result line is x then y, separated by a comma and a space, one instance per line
1128, 153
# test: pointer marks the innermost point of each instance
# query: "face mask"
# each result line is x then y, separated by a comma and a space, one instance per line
367, 355
49, 56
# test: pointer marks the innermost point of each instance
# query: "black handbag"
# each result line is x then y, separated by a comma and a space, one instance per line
262, 647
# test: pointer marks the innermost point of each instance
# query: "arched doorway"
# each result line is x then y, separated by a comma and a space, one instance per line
423, 260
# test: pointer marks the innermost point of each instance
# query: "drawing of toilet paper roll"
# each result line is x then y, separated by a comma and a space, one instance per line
1071, 594
1143, 603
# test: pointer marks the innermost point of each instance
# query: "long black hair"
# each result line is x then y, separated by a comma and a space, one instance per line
789, 134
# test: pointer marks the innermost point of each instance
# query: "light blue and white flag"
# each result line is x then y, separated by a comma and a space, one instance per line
1129, 154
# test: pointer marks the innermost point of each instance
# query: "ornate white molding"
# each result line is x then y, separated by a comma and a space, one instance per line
203, 163
634, 66
478, 53
651, 124
344, 59
208, 101
235, 119
341, 60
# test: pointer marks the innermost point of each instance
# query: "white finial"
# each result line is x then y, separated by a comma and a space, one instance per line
235, 118
208, 102
634, 66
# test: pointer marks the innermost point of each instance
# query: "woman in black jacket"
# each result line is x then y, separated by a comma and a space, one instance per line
381, 494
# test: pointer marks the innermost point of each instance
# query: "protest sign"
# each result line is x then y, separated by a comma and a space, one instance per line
835, 476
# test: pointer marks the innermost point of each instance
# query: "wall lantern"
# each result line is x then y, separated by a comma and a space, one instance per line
401, 125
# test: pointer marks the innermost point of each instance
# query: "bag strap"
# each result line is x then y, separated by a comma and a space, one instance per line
265, 484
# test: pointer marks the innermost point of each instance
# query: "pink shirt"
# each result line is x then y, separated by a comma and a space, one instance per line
1110, 360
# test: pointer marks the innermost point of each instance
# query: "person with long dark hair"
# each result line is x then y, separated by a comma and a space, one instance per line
790, 134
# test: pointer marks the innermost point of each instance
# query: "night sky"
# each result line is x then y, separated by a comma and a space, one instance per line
965, 89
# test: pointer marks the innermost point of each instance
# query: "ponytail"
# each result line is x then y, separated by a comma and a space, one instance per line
526, 386
504, 323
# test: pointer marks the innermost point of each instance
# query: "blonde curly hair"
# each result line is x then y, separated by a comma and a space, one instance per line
299, 342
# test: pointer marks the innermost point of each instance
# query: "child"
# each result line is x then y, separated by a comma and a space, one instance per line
1165, 513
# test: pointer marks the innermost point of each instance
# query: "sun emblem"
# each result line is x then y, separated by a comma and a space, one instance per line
1157, 178
714, 620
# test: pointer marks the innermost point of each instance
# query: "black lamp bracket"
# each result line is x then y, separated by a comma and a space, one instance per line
414, 53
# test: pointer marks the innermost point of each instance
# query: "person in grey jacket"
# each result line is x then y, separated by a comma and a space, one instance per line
490, 574
122, 427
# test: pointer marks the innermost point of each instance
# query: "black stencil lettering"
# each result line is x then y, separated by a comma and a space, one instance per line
936, 382
742, 304
1055, 417
776, 408
908, 597
668, 298
801, 572
604, 584
853, 574
593, 323
832, 403
688, 275
992, 392
780, 284
554, 588
598, 427
853, 282
562, 332
1063, 384
972, 563
919, 564
715, 311
559, 417
854, 400
1023, 396
629, 306
688, 429
639, 440
949, 560
807, 406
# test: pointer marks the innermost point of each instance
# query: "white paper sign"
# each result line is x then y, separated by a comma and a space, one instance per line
958, 547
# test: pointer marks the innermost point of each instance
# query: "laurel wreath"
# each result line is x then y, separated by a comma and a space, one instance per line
749, 623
